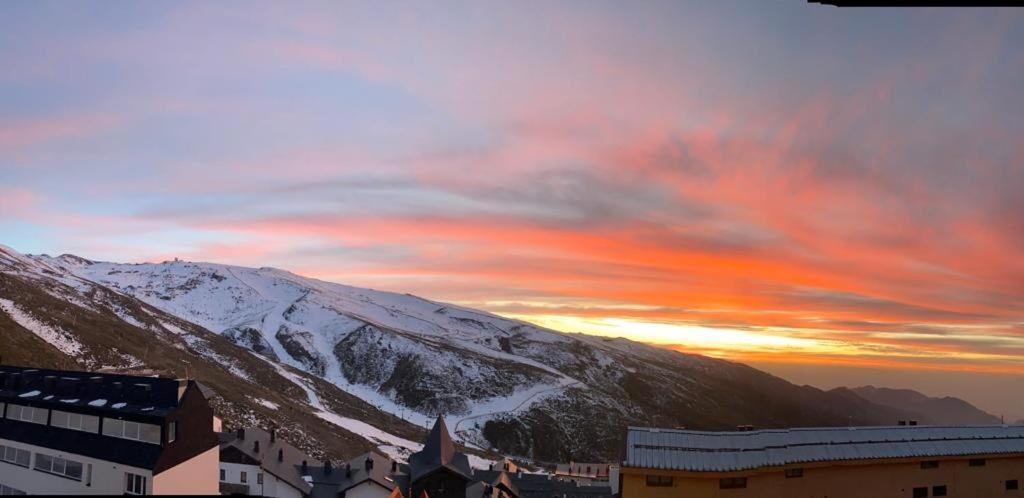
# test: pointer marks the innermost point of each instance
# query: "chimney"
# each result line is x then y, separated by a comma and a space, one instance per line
369, 464
280, 454
240, 433
913, 422
256, 446
394, 466
348, 470
273, 434
305, 468
327, 467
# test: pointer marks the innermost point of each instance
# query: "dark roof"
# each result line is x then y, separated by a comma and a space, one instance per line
329, 485
108, 395
544, 485
239, 447
438, 453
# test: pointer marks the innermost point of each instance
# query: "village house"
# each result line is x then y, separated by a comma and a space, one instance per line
366, 476
256, 462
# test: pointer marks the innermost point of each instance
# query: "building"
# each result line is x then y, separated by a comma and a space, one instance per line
846, 462
589, 473
438, 471
366, 476
529, 485
65, 432
256, 462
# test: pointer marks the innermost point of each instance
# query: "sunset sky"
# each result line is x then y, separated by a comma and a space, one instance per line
836, 196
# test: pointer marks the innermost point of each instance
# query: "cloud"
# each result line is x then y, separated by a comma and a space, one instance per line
648, 167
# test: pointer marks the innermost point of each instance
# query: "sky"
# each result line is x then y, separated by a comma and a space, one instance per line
832, 195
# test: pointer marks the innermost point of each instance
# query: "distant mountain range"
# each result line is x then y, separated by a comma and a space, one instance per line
342, 368
947, 410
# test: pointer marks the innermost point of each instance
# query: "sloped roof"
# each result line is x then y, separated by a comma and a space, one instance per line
288, 468
503, 481
438, 453
339, 480
730, 451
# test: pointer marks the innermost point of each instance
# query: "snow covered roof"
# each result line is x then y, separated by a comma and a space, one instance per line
701, 451
89, 392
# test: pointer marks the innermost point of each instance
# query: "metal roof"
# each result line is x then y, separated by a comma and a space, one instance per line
674, 449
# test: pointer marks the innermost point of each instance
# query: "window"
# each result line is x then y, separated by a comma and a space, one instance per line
222, 476
732, 483
172, 432
661, 481
17, 456
245, 477
134, 484
930, 464
791, 473
147, 433
1012, 484
259, 478
939, 490
76, 421
920, 493
976, 462
60, 466
27, 414
6, 490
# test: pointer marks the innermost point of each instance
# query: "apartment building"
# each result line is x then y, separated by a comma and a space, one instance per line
842, 462
66, 432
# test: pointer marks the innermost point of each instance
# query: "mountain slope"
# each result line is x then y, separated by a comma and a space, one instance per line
942, 411
50, 318
505, 384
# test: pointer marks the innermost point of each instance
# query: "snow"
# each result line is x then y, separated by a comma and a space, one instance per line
58, 338
394, 446
318, 315
98, 402
75, 400
30, 394
118, 406
266, 403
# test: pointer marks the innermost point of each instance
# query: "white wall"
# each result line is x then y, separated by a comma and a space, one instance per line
106, 478
272, 486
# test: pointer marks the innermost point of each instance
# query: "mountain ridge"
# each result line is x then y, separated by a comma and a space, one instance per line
508, 386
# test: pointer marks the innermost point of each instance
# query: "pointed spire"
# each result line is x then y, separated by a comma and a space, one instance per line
439, 447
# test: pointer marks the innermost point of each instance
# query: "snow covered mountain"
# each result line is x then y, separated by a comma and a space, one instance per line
503, 384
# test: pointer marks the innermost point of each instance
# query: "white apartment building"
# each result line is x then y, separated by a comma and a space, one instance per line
64, 432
